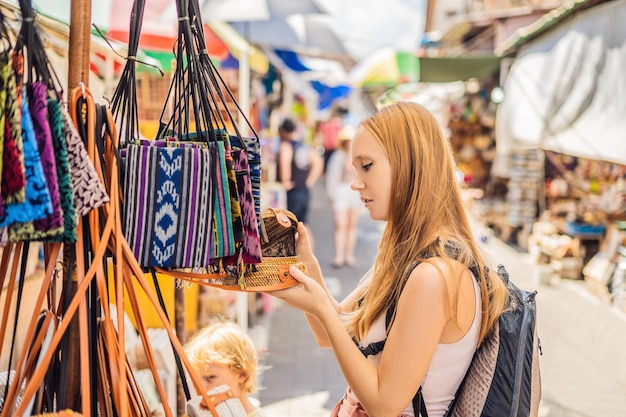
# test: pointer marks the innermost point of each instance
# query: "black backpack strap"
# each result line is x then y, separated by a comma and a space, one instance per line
373, 348
419, 406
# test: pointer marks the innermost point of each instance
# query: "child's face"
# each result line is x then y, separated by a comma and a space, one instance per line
218, 374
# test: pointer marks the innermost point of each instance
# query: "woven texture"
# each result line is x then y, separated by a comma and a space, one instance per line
278, 246
168, 209
470, 403
229, 407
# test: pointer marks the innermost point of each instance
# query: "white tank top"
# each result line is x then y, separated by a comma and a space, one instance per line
447, 368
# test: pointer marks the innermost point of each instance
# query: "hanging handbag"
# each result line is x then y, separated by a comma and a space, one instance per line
278, 230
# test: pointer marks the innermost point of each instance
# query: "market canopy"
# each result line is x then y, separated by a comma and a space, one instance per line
450, 69
389, 67
565, 91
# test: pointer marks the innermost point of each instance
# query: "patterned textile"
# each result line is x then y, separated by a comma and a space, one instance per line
37, 204
55, 120
88, 192
235, 207
38, 105
168, 203
4, 75
223, 237
14, 173
251, 247
253, 150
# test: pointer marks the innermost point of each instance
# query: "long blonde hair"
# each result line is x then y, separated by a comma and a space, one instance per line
426, 200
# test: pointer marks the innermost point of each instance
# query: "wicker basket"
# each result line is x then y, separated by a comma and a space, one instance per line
278, 247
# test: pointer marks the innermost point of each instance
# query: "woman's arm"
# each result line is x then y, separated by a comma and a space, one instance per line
420, 319
304, 250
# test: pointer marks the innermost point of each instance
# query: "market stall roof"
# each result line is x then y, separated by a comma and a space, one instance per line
450, 69
238, 44
389, 68
565, 90
544, 24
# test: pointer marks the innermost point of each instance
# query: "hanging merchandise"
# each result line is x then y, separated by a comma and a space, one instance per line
192, 195
39, 186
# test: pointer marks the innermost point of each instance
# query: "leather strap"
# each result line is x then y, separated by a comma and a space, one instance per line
16, 250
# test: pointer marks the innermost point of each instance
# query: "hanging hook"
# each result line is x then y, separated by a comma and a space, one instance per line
82, 88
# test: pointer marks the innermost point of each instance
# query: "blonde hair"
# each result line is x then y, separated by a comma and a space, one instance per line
426, 200
224, 342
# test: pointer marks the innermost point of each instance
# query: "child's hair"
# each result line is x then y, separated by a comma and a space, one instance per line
224, 342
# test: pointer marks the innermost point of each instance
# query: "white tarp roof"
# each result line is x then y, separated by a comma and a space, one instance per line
566, 90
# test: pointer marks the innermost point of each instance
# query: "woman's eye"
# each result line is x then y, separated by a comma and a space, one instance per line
366, 167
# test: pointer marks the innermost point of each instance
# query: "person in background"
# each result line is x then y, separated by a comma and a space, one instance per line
424, 267
223, 354
345, 202
299, 167
329, 130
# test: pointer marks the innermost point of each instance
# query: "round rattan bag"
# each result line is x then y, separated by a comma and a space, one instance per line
278, 247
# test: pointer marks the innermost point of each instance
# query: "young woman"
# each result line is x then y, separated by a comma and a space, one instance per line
405, 177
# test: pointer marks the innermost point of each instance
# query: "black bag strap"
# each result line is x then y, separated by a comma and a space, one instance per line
452, 249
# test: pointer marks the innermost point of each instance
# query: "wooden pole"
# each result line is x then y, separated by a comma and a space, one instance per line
80, 41
78, 64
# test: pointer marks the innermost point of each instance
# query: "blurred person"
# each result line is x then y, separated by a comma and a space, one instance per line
429, 266
223, 354
345, 202
299, 167
329, 129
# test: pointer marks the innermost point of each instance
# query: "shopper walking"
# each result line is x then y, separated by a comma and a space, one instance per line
405, 177
299, 167
345, 202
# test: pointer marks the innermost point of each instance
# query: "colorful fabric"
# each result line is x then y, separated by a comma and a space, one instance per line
253, 152
37, 204
223, 236
4, 75
168, 203
233, 192
14, 172
52, 225
88, 192
251, 247
55, 120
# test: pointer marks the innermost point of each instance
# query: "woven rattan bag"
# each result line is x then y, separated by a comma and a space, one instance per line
278, 246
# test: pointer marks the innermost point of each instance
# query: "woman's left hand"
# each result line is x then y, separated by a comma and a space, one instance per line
308, 296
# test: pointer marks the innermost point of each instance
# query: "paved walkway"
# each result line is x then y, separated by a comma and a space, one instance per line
583, 364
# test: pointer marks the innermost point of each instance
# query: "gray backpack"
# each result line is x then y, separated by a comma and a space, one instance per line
503, 379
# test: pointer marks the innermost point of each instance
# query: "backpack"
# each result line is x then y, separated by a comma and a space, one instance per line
503, 379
